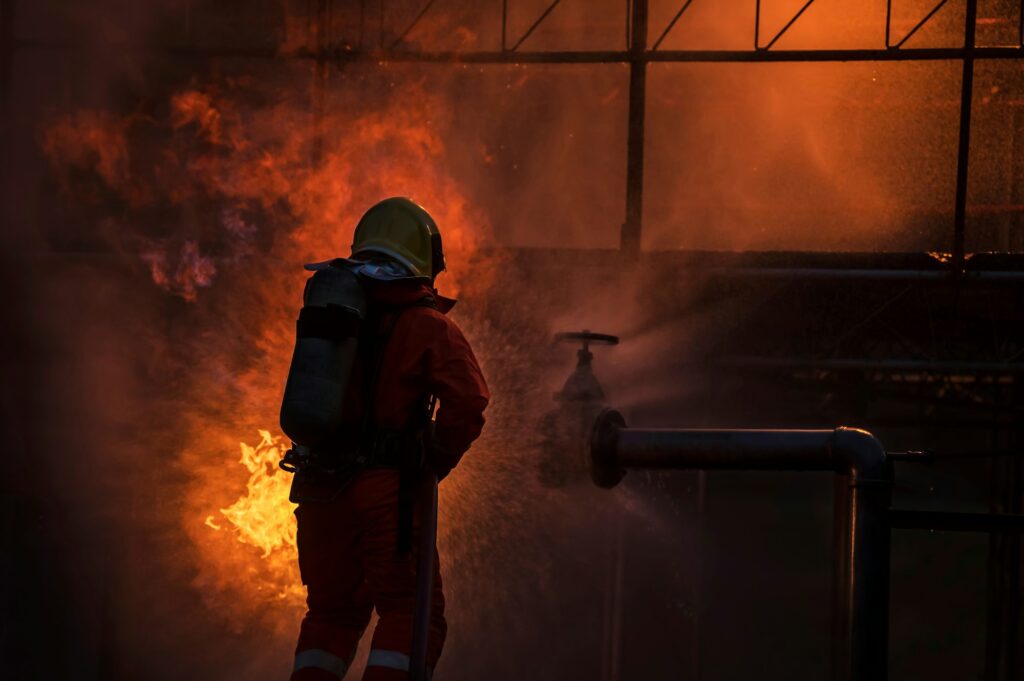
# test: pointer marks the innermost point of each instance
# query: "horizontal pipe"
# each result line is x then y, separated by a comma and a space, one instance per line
556, 56
725, 449
866, 274
905, 519
847, 364
614, 448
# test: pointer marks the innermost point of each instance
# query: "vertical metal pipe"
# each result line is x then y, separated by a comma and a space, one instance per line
964, 149
863, 496
631, 229
867, 587
841, 531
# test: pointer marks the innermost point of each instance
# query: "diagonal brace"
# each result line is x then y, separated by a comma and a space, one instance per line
540, 20
757, 25
672, 24
413, 23
908, 36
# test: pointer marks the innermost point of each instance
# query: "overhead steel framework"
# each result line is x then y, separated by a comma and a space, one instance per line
393, 44
638, 54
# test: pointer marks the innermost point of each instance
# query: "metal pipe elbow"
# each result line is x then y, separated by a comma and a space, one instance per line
858, 453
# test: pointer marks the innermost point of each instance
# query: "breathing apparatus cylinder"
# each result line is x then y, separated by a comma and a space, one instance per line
327, 339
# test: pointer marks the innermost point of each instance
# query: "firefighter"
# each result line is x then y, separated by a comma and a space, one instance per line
355, 518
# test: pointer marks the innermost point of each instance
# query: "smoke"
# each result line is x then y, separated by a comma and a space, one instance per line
197, 188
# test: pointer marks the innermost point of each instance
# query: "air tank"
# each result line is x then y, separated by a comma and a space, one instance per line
326, 344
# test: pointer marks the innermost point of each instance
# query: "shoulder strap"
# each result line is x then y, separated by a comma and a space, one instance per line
377, 341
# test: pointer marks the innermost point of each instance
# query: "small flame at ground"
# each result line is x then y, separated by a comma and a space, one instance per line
263, 517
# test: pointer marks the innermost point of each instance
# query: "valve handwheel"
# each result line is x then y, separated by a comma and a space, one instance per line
588, 337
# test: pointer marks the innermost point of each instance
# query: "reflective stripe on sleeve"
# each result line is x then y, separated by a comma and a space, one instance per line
320, 659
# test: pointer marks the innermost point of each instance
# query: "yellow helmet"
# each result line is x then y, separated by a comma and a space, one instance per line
401, 229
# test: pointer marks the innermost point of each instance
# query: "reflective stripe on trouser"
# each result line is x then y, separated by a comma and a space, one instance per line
392, 659
320, 659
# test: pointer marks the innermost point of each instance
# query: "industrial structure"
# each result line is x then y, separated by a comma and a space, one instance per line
922, 347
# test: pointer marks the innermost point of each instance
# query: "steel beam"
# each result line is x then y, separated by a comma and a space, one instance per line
632, 228
964, 144
342, 55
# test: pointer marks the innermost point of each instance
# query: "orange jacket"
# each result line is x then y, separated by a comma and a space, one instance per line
425, 353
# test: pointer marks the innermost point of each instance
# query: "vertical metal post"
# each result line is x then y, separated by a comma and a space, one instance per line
321, 33
994, 614
757, 25
1012, 567
362, 25
698, 601
1005, 597
611, 666
631, 229
1015, 227
504, 25
6, 66
964, 150
888, 24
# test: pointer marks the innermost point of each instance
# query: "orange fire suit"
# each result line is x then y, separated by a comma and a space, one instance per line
348, 554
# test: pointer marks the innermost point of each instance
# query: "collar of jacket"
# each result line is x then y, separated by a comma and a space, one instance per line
407, 292
401, 291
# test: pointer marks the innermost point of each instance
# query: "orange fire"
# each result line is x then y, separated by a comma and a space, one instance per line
262, 517
286, 188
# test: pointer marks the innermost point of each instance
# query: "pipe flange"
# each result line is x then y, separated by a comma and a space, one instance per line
605, 470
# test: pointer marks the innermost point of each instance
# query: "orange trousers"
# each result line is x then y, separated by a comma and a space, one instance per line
350, 565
